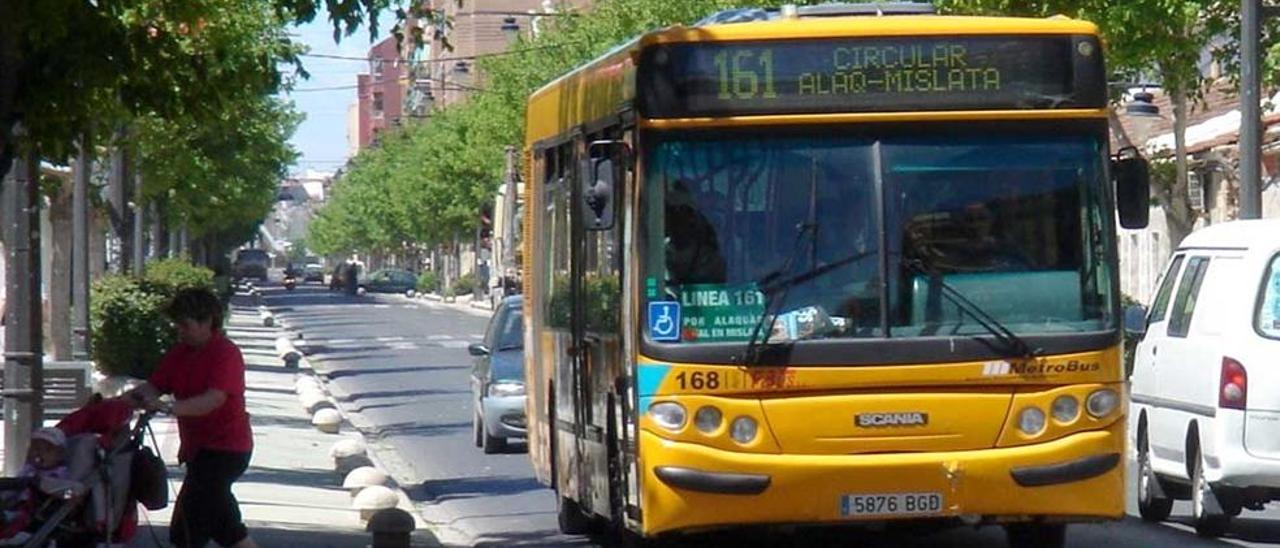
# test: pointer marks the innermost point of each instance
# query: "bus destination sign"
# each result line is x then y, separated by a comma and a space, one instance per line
871, 74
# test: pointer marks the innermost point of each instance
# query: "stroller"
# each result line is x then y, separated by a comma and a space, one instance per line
109, 471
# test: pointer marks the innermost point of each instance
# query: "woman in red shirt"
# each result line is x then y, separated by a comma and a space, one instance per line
204, 372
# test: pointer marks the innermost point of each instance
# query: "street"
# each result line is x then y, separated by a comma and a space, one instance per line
399, 369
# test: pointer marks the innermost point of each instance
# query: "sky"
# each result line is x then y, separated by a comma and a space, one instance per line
322, 136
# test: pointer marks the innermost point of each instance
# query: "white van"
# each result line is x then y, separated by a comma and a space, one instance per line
1205, 390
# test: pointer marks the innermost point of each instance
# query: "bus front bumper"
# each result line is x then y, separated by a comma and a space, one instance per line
689, 486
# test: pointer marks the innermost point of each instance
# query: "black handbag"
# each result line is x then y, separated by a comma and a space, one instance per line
149, 479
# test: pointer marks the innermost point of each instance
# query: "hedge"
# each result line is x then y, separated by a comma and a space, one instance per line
130, 331
428, 282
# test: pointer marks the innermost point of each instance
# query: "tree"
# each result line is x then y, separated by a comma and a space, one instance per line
425, 184
218, 176
70, 67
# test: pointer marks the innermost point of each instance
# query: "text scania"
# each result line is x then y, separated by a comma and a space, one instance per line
892, 419
1073, 366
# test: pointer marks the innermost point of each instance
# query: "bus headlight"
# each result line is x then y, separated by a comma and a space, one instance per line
708, 419
1031, 421
743, 430
669, 415
1102, 402
1065, 409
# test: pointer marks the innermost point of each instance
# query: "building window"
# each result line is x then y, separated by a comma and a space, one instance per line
377, 104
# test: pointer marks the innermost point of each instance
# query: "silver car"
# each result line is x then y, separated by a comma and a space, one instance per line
497, 379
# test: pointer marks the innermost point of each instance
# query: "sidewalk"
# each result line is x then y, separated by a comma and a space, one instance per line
291, 495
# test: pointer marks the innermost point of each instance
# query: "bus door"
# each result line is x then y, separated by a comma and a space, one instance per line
599, 294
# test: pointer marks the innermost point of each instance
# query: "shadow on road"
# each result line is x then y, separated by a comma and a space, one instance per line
472, 487
398, 394
419, 429
304, 477
531, 538
387, 370
1264, 531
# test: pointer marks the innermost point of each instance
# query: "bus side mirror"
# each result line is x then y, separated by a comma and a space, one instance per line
597, 195
1132, 176
599, 189
1135, 321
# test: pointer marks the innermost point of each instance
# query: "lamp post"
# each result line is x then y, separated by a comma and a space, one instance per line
1251, 14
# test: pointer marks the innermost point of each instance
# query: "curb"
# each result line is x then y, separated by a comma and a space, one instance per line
305, 369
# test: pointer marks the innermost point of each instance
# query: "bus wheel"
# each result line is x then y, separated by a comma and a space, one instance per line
571, 518
1151, 508
1036, 535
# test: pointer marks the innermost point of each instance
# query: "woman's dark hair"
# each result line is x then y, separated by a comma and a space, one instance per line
196, 303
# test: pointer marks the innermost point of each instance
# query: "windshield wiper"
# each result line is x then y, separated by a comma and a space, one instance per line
773, 284
751, 354
1017, 346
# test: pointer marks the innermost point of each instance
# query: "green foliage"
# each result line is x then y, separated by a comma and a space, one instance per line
68, 66
428, 282
130, 330
218, 176
168, 276
603, 295
464, 284
426, 183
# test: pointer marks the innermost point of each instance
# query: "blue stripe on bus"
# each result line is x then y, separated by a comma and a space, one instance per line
650, 377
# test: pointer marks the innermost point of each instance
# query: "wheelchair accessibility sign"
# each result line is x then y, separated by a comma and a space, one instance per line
664, 321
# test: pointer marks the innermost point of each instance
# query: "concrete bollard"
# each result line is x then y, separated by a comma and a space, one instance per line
374, 498
361, 291
362, 477
345, 465
315, 401
288, 354
327, 420
267, 319
391, 528
349, 447
348, 455
410, 293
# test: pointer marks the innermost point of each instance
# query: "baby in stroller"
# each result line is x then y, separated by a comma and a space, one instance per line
44, 473
80, 484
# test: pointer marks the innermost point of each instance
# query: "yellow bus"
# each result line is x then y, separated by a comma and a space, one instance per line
829, 265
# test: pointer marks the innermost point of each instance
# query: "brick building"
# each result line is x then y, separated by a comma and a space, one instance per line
478, 30
380, 93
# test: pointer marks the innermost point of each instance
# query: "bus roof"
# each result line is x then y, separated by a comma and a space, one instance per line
597, 89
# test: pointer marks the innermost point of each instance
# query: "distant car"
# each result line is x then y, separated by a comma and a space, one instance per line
251, 263
389, 280
313, 272
497, 378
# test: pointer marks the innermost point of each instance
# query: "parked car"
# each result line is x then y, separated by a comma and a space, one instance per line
497, 378
251, 263
313, 272
389, 280
1205, 388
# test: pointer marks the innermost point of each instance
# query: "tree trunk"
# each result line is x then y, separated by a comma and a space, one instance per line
1178, 213
98, 227
60, 282
10, 79
119, 195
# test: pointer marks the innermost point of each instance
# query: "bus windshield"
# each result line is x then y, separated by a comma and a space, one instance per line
856, 236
